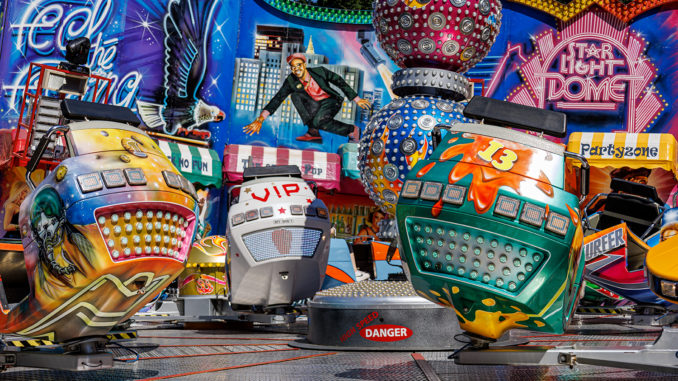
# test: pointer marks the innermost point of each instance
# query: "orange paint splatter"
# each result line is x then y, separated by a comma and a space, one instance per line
544, 184
437, 208
450, 153
486, 178
573, 215
426, 168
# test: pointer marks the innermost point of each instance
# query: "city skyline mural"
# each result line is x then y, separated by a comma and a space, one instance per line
620, 80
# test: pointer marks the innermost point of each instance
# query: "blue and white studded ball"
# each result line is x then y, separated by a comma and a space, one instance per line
397, 137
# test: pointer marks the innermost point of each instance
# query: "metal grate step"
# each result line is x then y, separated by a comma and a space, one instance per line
48, 114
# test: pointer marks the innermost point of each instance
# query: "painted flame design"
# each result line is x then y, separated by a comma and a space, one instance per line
207, 244
486, 179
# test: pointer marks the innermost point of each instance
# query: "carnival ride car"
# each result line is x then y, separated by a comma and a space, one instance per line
622, 221
615, 245
660, 262
275, 252
489, 224
106, 230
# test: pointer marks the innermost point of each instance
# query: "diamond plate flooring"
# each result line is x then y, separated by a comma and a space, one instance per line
167, 351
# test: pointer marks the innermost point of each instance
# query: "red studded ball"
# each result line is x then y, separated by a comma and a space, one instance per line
446, 34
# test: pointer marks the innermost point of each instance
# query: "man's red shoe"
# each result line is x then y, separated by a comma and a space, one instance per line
310, 138
354, 136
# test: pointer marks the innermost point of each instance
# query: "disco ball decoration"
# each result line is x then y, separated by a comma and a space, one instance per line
446, 34
433, 41
396, 138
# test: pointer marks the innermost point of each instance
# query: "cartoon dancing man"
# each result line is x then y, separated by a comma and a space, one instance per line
315, 100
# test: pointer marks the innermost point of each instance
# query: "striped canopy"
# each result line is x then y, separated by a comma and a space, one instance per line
197, 164
321, 167
625, 149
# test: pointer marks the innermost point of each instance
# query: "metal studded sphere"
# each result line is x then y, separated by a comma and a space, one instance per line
445, 34
396, 138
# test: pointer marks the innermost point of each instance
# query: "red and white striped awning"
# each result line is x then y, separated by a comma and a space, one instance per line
322, 167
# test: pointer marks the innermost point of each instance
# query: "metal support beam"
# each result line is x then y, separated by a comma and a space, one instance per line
658, 357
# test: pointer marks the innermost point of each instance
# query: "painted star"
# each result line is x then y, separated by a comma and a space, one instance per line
281, 210
592, 51
248, 190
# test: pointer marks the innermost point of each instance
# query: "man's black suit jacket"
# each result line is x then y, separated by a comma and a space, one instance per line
323, 78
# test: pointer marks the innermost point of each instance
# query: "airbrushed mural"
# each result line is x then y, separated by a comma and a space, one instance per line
208, 69
94, 255
162, 54
168, 60
303, 85
606, 70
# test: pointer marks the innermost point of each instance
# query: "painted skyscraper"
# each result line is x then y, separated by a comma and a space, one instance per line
257, 79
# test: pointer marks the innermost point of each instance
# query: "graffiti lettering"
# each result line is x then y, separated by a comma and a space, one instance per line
46, 25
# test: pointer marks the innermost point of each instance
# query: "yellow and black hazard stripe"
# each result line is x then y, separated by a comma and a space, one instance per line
602, 310
28, 343
151, 315
129, 335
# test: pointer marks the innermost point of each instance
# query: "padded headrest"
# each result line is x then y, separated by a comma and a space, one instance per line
508, 114
75, 109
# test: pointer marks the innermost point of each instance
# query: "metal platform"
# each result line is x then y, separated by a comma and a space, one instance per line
263, 353
378, 315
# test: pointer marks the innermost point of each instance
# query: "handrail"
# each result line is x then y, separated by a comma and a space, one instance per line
39, 151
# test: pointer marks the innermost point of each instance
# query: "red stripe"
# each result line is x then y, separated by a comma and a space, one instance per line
210, 338
307, 157
333, 158
239, 366
574, 334
257, 155
206, 354
200, 345
283, 156
584, 340
231, 157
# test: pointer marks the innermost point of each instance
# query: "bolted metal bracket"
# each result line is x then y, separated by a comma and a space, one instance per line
569, 359
662, 356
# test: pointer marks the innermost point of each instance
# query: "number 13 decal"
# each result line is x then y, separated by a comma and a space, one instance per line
506, 160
